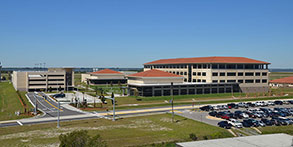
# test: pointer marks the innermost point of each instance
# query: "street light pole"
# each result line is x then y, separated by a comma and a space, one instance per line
58, 113
113, 97
36, 105
172, 101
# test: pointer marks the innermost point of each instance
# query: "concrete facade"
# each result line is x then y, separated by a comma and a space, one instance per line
53, 79
251, 77
105, 76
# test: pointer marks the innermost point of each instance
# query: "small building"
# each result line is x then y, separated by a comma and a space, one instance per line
53, 79
105, 76
158, 83
282, 82
270, 140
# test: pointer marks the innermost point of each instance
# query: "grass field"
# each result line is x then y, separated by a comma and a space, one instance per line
143, 130
278, 75
277, 129
77, 79
9, 102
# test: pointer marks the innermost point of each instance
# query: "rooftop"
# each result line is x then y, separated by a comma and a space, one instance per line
207, 60
271, 140
106, 71
286, 80
153, 73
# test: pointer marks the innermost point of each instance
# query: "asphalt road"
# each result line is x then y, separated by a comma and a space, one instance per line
48, 106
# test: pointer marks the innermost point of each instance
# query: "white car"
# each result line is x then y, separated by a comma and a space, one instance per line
235, 123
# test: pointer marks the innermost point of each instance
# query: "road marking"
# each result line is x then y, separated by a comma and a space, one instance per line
52, 104
19, 123
257, 130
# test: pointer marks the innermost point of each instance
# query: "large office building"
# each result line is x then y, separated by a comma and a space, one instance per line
105, 76
53, 79
251, 75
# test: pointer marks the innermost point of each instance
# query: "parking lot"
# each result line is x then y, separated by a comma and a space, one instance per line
244, 115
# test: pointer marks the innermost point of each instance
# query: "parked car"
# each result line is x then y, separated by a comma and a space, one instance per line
278, 102
235, 123
224, 124
232, 105
213, 113
247, 123
267, 122
206, 108
59, 95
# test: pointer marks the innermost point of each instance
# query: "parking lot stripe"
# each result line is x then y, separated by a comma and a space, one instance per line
19, 123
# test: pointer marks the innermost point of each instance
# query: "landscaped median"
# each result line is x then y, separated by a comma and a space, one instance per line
137, 131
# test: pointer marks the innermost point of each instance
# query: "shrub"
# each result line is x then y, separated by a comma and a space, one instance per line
193, 137
80, 139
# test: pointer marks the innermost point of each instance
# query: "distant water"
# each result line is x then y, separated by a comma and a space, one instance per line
281, 70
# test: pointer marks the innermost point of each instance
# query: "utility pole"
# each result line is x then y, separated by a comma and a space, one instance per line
58, 113
172, 101
113, 98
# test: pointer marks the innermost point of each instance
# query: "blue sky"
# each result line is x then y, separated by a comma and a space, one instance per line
128, 33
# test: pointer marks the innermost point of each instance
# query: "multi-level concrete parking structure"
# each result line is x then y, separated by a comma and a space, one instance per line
53, 79
251, 75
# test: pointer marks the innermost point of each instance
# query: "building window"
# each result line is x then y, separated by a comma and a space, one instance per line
209, 66
240, 81
198, 80
240, 66
249, 74
231, 81
194, 80
264, 74
194, 73
203, 81
195, 66
257, 74
204, 66
181, 73
199, 73
185, 80
199, 66
231, 66
222, 66
248, 81
214, 66
222, 74
185, 73
215, 81
240, 73
222, 81
231, 74
215, 74
257, 81
177, 73
264, 81
204, 74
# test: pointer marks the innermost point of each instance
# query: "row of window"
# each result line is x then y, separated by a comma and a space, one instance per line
213, 66
199, 73
239, 74
241, 81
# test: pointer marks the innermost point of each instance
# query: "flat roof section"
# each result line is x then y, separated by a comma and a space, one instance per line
106, 71
271, 140
154, 73
238, 60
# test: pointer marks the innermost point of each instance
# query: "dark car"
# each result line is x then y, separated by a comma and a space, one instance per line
267, 122
232, 105
206, 108
278, 102
290, 101
247, 123
59, 95
224, 124
213, 113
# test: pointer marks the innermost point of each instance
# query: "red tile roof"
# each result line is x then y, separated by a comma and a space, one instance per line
206, 60
106, 71
287, 80
153, 73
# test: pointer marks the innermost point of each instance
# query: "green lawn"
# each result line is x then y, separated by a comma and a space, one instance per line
9, 102
143, 130
77, 79
277, 129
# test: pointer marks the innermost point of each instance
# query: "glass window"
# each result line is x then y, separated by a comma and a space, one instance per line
199, 66
194, 73
204, 74
231, 74
203, 81
214, 66
204, 66
215, 81
249, 74
199, 73
240, 81
185, 73
248, 81
222, 74
257, 81
264, 74
222, 81
198, 80
257, 74
240, 73
215, 74
264, 81
231, 81
221, 66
